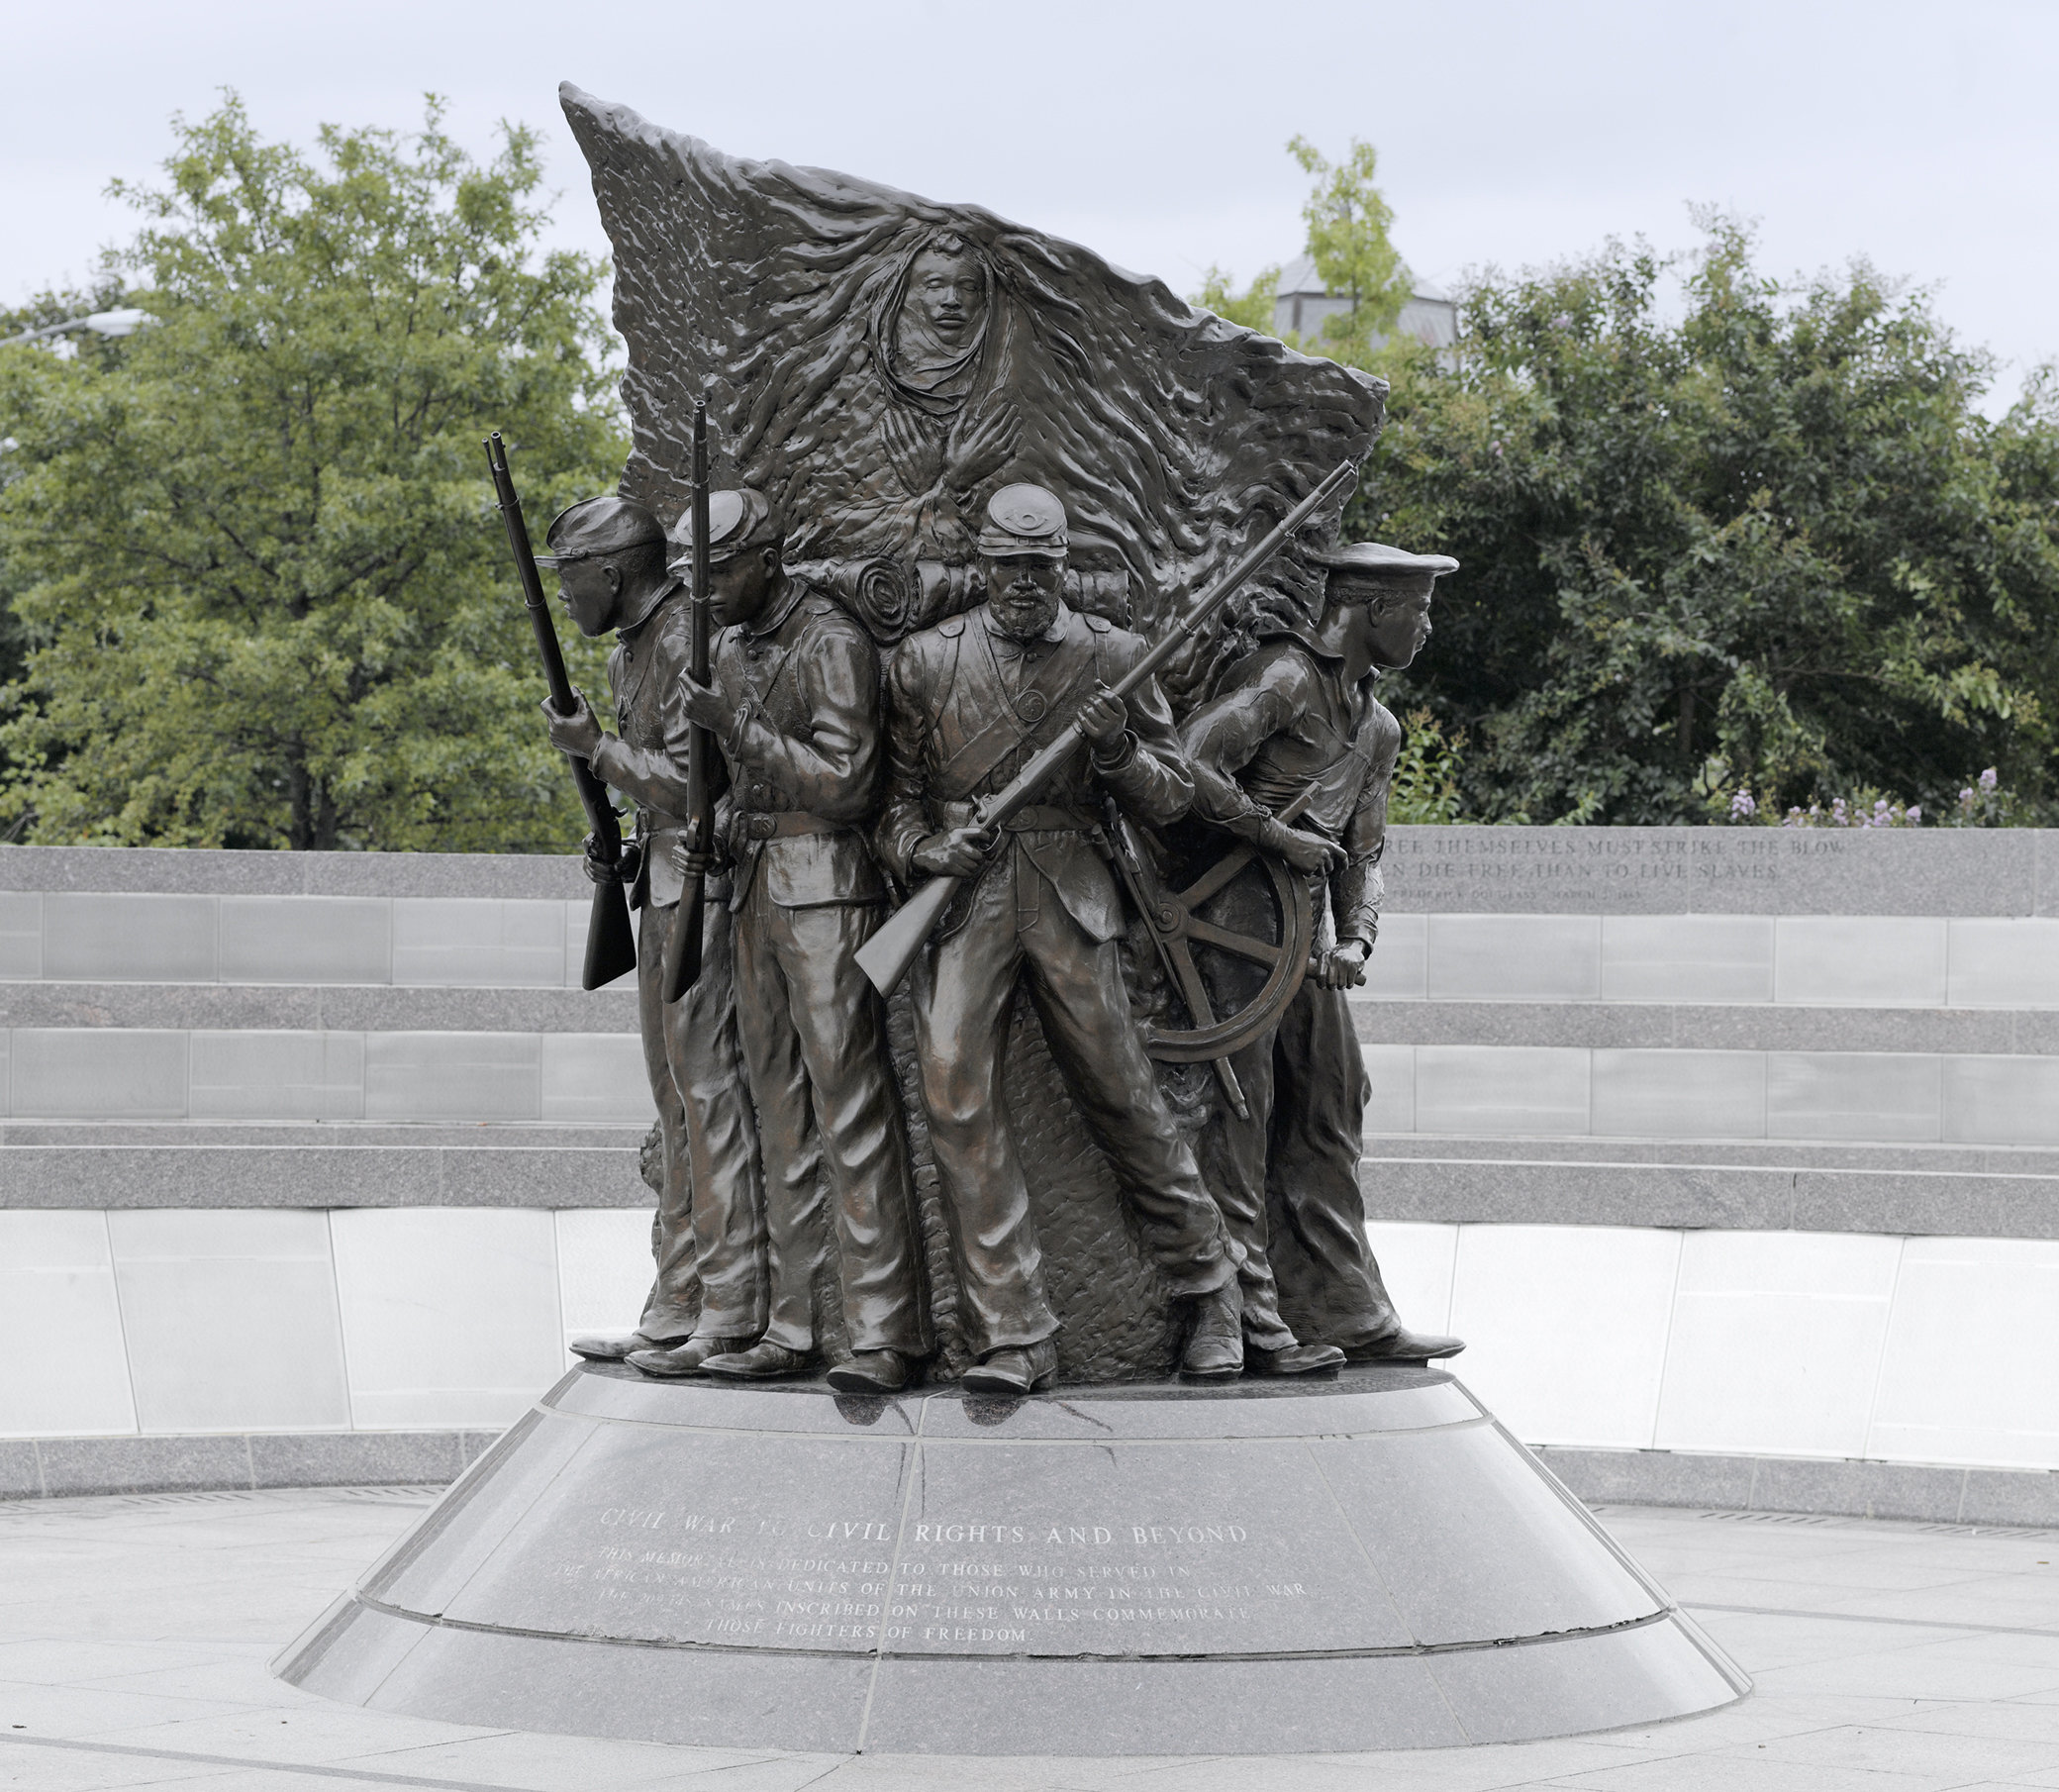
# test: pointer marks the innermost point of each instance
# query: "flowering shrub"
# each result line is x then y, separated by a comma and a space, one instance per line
1981, 804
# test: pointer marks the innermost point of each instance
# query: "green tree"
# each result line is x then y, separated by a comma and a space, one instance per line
264, 591
1348, 220
1753, 534
1254, 310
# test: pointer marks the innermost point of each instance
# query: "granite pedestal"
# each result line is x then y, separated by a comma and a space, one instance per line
1365, 1563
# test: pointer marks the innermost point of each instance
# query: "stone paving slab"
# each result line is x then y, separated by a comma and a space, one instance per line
135, 1633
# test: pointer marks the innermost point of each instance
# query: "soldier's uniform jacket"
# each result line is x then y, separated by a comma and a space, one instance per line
649, 763
967, 707
1283, 719
804, 753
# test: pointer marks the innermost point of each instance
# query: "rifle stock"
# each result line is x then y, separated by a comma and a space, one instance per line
682, 965
886, 956
611, 941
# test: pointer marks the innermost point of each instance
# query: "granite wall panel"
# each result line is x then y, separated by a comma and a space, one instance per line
1515, 957
231, 1320
452, 1076
595, 1079
1678, 1094
61, 1327
506, 944
21, 934
307, 940
1776, 1342
1566, 1328
1959, 1302
1871, 1095
145, 939
1686, 958
449, 1314
2001, 1100
276, 1075
1859, 961
1488, 1089
94, 1073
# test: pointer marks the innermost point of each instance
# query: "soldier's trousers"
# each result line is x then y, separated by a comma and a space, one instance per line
1295, 1161
814, 1032
964, 989
709, 1230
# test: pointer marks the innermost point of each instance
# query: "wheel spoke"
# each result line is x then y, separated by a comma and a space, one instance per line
1192, 991
1214, 877
1259, 951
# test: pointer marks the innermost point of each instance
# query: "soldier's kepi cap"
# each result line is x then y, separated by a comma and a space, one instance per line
737, 521
1388, 565
1024, 522
598, 526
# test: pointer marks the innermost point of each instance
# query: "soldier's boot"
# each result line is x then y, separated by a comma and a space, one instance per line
1014, 1371
685, 1357
1291, 1359
1403, 1346
763, 1362
1216, 1342
613, 1346
871, 1372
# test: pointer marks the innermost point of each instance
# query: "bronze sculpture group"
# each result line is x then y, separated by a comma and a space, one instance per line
786, 1150
1010, 790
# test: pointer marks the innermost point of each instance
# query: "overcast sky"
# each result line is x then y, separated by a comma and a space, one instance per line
1925, 138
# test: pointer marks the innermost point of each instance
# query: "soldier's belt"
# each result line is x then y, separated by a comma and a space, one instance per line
787, 823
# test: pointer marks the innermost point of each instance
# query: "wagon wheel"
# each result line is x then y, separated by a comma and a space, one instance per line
1179, 930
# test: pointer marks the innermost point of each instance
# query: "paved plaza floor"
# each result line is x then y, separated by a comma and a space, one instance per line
135, 1632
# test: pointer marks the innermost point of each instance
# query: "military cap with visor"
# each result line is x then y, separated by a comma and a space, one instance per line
596, 526
1024, 522
1389, 565
738, 521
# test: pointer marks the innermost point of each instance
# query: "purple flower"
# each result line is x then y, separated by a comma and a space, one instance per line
1913, 816
1989, 779
1741, 805
1966, 796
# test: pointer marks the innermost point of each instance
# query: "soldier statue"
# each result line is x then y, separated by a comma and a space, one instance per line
612, 567
1300, 711
969, 701
795, 707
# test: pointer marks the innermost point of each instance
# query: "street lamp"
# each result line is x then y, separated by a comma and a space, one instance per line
124, 321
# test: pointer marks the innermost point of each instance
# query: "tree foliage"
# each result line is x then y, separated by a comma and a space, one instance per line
265, 594
1347, 222
1734, 531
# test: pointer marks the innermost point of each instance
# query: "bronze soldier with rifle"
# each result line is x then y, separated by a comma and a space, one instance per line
1294, 727
794, 705
709, 1235
1017, 682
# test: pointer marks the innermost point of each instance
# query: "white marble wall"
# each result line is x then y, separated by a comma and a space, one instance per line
1941, 1351
1750, 1343
176, 1321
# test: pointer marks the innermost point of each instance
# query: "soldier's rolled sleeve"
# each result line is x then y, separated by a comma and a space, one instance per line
833, 771
1153, 783
904, 822
650, 777
1357, 890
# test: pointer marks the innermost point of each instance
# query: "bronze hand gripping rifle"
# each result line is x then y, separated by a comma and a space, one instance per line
611, 943
886, 956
